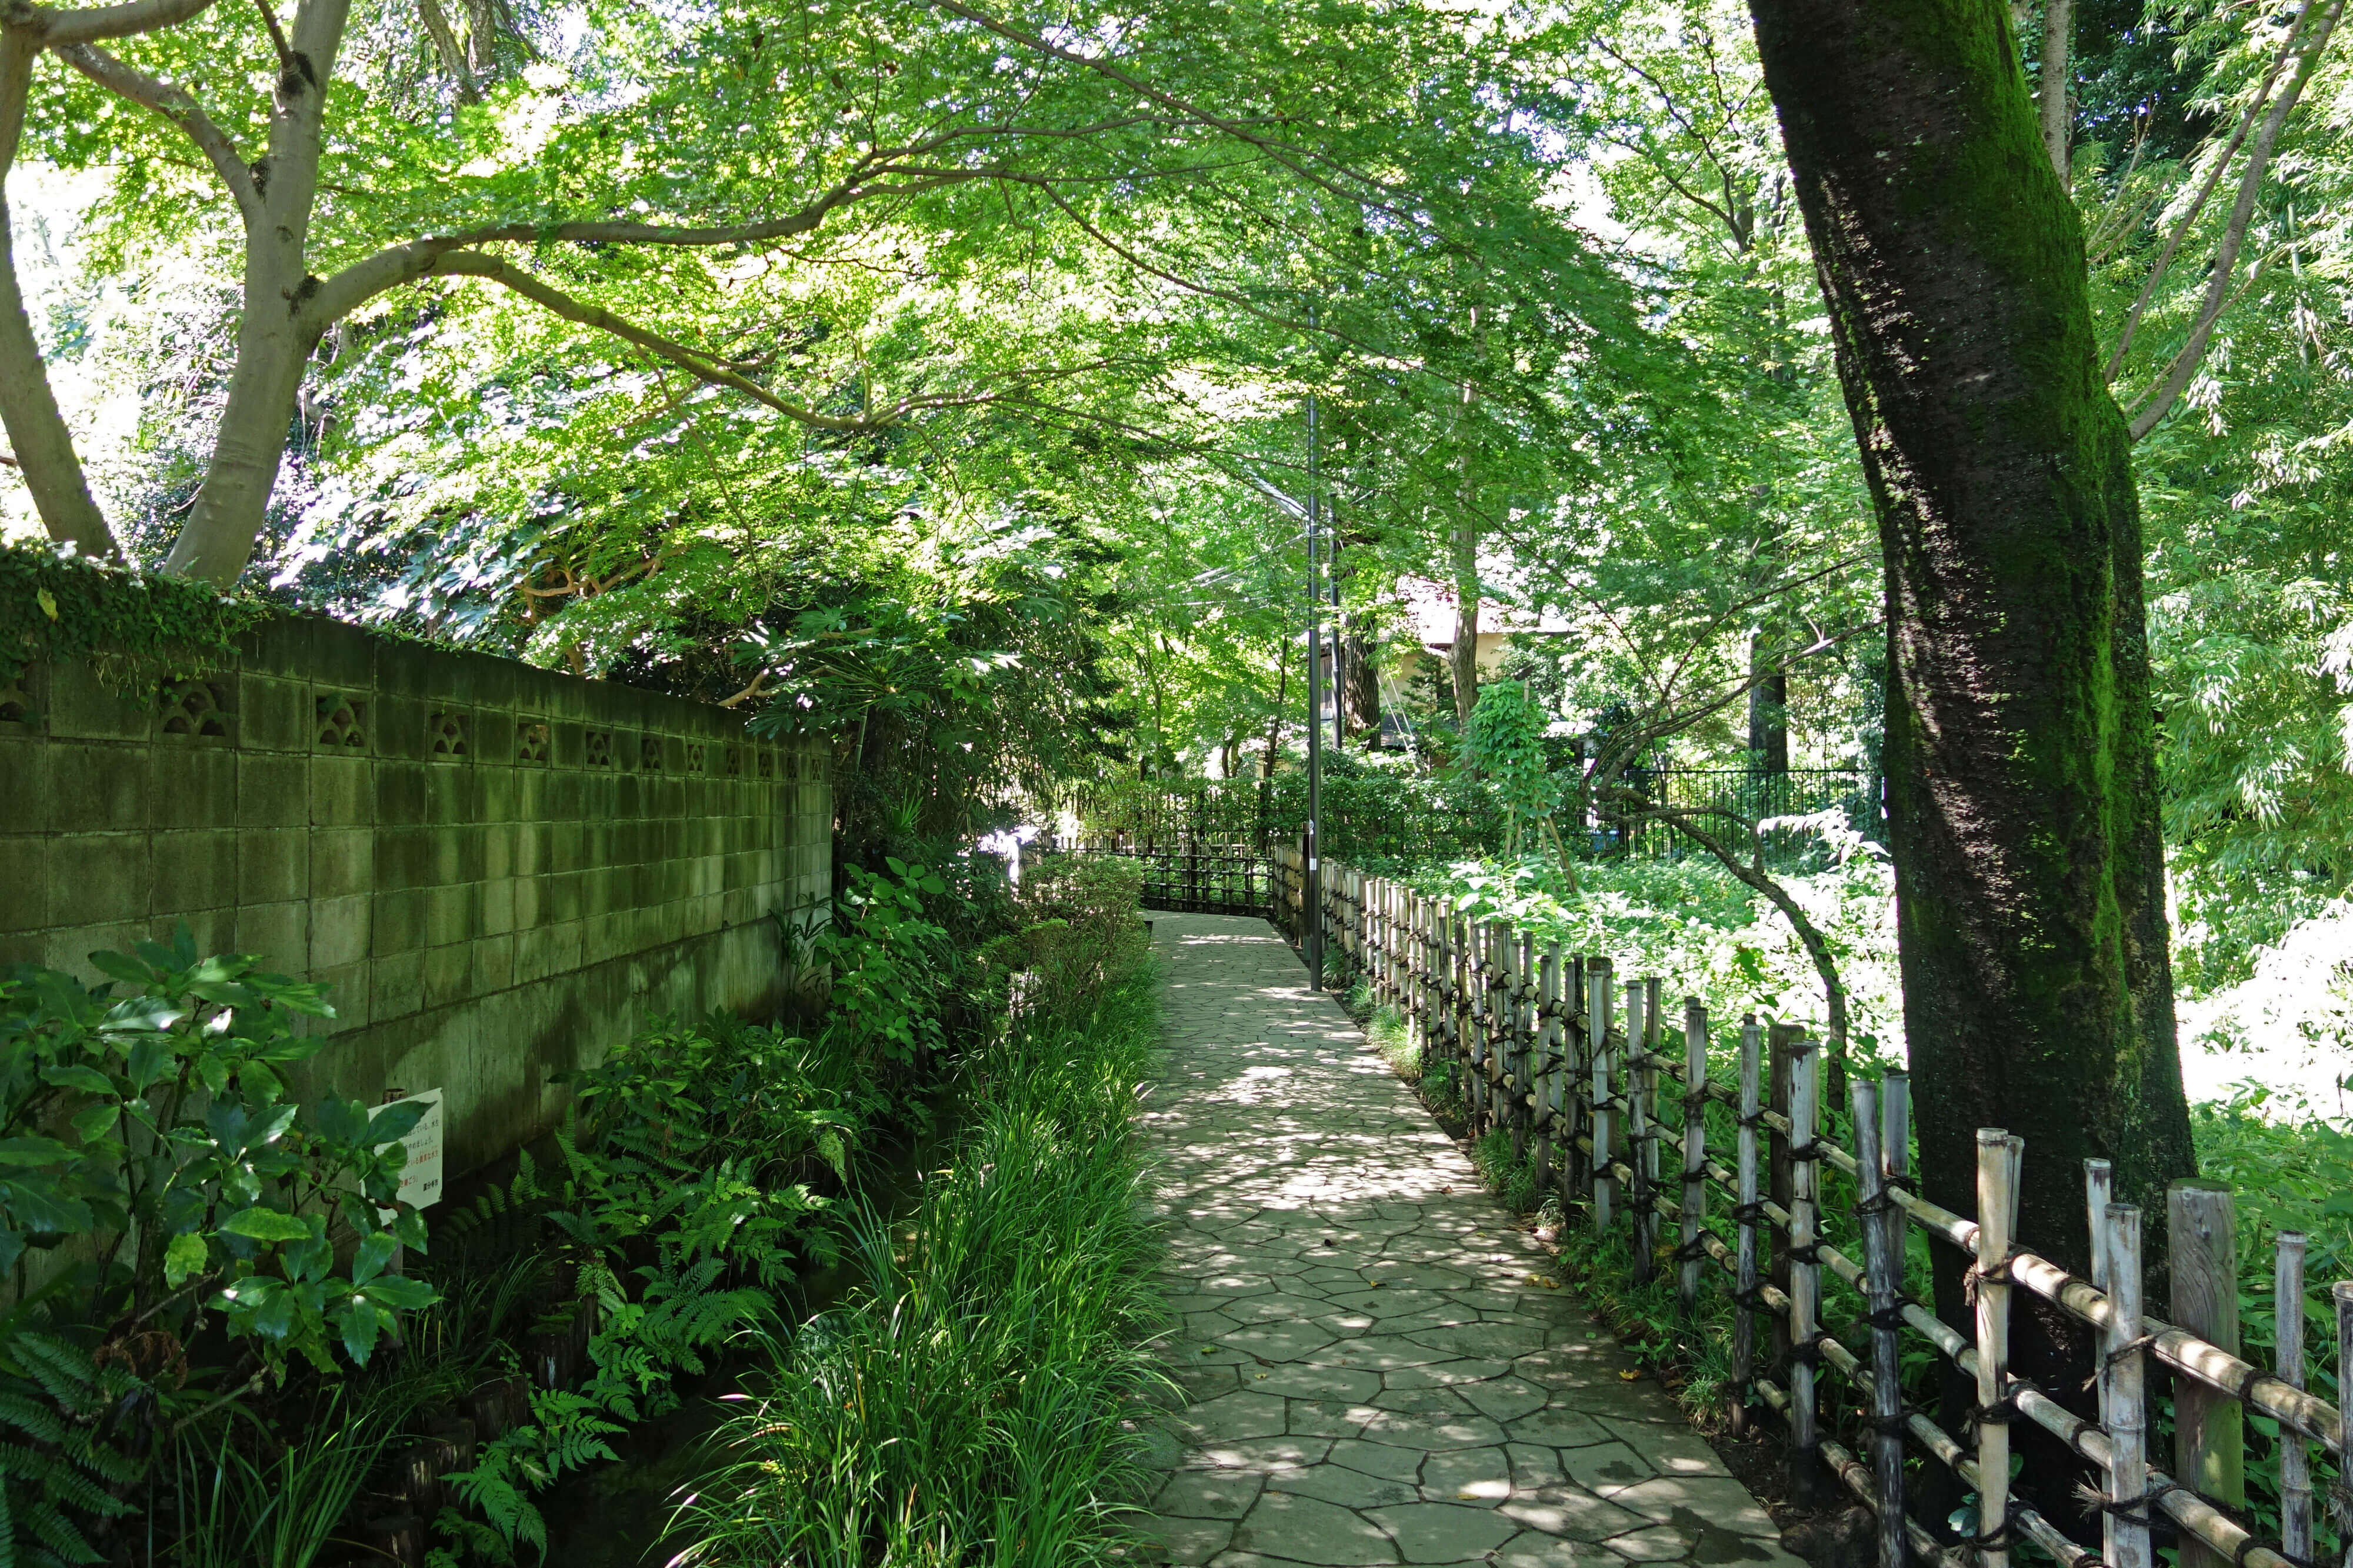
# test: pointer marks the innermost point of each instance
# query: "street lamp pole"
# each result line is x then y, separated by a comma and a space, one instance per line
1313, 881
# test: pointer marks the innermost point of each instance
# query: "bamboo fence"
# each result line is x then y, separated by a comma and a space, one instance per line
1583, 1070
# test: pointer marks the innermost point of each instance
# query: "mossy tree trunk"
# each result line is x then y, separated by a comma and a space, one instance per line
2019, 738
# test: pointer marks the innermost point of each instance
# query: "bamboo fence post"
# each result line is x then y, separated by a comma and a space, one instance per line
1744, 1316
1805, 1271
2287, 1363
1779, 1039
1547, 1047
1507, 1064
1576, 1072
2340, 1296
1458, 1003
1883, 1276
1596, 1029
2125, 1522
2099, 1190
1895, 1157
1653, 1038
1995, 1186
2208, 1426
1638, 1125
1694, 1206
1524, 1041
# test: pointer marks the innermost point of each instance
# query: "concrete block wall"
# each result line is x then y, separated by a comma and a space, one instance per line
499, 870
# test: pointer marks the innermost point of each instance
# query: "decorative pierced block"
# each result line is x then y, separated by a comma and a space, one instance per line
451, 734
697, 759
194, 708
17, 704
532, 742
600, 748
343, 721
650, 751
734, 764
792, 766
767, 763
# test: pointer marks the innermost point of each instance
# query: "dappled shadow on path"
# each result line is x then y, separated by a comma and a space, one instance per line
1378, 1371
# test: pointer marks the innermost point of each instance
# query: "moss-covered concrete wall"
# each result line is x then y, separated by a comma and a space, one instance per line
500, 871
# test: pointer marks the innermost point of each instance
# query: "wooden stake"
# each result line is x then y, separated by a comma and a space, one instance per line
2340, 1295
1653, 1038
1548, 1072
2099, 1190
1695, 1209
1995, 1194
1743, 1314
2124, 1524
1638, 1140
2288, 1361
1805, 1274
1576, 1081
2209, 1426
1884, 1275
1523, 1032
1596, 1016
1895, 1155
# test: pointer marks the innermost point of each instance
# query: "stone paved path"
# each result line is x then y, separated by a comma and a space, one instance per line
1376, 1376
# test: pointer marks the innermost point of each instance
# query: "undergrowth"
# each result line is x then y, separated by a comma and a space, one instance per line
975, 1400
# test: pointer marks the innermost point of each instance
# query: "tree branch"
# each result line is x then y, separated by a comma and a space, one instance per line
44, 450
178, 105
2164, 263
2156, 402
51, 28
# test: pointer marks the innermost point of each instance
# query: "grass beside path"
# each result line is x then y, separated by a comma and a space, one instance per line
973, 1403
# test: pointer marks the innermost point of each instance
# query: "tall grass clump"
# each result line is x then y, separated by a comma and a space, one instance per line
975, 1402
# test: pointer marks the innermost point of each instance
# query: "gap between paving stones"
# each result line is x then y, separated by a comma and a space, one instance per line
1375, 1373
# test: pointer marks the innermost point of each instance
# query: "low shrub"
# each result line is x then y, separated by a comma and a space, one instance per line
975, 1401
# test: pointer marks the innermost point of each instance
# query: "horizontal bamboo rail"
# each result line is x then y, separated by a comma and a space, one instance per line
1568, 1056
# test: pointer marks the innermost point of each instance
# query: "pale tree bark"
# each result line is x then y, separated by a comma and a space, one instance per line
2308, 41
2057, 104
444, 44
275, 334
37, 435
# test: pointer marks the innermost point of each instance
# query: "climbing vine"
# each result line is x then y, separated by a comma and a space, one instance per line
129, 627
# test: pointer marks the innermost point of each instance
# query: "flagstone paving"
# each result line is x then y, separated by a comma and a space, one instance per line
1376, 1374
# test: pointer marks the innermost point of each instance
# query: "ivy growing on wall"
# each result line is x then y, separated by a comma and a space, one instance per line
129, 627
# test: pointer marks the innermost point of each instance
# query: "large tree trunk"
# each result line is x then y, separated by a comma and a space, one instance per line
1462, 658
2021, 774
1769, 712
276, 333
37, 435
1362, 691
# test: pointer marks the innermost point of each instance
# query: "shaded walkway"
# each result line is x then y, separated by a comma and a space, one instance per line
1377, 1374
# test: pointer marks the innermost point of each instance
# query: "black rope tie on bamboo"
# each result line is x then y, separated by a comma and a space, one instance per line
2000, 1413
2129, 1348
1890, 1317
1994, 1540
1810, 1253
1753, 1298
1807, 1352
1808, 1152
1754, 1119
1695, 1249
1750, 1213
1975, 1272
2123, 1507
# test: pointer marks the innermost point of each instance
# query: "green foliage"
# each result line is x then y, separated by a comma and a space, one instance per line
976, 1400
1506, 744
189, 1171
1706, 934
889, 966
129, 627
66, 1462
